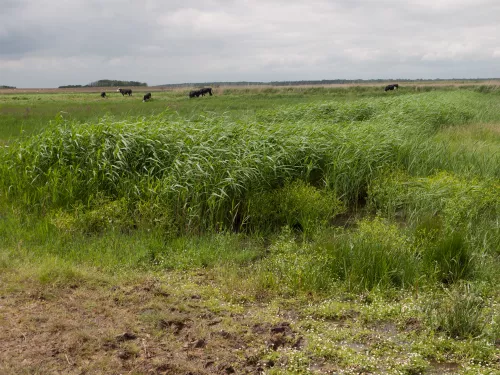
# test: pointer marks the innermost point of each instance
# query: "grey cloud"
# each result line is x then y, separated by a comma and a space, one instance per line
194, 40
16, 44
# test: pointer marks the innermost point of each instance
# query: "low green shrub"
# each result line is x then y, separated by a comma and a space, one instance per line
297, 205
449, 259
188, 252
377, 254
462, 205
104, 216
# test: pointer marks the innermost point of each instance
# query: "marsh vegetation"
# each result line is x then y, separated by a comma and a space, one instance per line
368, 220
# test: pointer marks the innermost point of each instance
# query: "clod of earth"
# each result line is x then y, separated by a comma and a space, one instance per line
175, 325
126, 336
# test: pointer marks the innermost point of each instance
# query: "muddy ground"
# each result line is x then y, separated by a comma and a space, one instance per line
147, 328
186, 325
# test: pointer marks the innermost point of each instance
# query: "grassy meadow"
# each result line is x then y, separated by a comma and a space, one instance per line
294, 230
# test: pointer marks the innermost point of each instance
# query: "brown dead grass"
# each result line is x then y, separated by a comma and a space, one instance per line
74, 90
146, 327
451, 83
478, 131
186, 323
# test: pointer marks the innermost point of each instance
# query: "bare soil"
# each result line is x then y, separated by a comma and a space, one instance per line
185, 324
150, 327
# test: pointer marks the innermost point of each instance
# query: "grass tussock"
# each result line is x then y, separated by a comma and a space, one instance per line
458, 312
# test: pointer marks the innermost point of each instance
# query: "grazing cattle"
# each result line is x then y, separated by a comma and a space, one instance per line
201, 92
125, 92
194, 93
205, 90
103, 94
391, 87
147, 97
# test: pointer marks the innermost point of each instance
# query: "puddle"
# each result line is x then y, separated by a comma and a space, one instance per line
444, 367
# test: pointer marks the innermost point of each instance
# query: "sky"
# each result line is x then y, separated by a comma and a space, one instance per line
49, 43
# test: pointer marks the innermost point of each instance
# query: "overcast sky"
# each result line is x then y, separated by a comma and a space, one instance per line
48, 43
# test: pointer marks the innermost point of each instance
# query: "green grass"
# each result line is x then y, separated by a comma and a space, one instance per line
349, 194
30, 113
295, 165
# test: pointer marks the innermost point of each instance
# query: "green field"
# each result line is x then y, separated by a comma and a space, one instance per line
358, 229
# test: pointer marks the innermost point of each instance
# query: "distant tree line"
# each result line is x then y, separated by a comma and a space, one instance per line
380, 80
7, 87
107, 83
113, 83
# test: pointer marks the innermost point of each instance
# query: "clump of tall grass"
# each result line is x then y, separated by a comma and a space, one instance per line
377, 254
203, 174
430, 111
424, 156
458, 312
332, 112
486, 89
449, 259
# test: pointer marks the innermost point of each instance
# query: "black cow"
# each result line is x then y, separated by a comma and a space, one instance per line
201, 92
147, 97
103, 94
125, 92
194, 93
391, 87
205, 90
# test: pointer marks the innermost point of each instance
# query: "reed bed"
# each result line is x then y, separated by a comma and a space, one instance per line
302, 167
